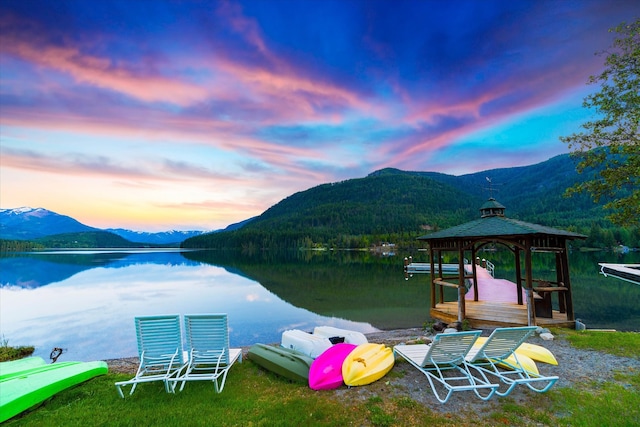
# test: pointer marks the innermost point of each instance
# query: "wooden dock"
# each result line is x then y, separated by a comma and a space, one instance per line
497, 306
487, 314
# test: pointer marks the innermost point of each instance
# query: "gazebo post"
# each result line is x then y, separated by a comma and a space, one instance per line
560, 280
518, 275
567, 284
474, 271
531, 312
461, 288
440, 275
432, 253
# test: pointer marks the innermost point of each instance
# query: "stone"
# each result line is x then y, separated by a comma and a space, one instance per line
547, 336
439, 326
449, 330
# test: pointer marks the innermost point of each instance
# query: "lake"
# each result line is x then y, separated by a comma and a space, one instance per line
85, 301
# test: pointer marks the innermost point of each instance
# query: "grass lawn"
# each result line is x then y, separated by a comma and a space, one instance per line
254, 397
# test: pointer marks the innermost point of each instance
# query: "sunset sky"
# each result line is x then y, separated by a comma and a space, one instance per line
192, 115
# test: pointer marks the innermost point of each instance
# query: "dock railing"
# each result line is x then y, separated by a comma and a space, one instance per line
490, 267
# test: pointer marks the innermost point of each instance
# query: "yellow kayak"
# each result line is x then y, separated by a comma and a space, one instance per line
533, 351
366, 364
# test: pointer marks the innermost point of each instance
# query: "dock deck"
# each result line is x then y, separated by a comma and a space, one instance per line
497, 305
484, 314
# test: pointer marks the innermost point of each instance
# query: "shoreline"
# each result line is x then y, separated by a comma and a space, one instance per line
129, 365
574, 366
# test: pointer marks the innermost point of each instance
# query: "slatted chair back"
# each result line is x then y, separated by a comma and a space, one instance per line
159, 338
450, 348
207, 337
503, 342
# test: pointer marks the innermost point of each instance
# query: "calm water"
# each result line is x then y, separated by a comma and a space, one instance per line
85, 302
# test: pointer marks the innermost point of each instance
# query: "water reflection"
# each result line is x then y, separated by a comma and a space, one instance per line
91, 312
85, 302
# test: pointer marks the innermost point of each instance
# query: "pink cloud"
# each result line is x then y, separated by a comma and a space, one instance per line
104, 73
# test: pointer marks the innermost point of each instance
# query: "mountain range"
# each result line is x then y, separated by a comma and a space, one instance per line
397, 206
386, 202
27, 223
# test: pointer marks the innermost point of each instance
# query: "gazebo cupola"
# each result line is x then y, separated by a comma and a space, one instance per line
491, 208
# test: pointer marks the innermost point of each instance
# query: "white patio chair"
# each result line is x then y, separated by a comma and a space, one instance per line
160, 351
210, 357
497, 357
443, 363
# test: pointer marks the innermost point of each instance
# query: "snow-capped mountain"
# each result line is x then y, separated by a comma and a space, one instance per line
161, 238
27, 223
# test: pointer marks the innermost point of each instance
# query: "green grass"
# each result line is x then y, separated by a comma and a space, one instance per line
251, 397
12, 353
254, 397
625, 344
600, 404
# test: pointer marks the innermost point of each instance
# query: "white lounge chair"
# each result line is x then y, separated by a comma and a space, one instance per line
491, 358
210, 357
444, 357
159, 349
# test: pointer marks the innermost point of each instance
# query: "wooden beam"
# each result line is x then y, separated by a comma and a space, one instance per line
445, 283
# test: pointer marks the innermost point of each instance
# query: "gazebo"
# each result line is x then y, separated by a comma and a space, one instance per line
532, 302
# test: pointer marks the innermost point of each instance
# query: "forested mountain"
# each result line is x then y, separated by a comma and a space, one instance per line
351, 213
398, 206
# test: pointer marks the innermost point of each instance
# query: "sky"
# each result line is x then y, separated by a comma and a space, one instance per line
193, 115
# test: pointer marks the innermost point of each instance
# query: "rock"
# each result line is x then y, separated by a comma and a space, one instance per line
456, 325
439, 326
547, 336
449, 330
580, 326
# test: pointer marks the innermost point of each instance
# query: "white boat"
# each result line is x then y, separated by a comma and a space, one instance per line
303, 342
628, 272
350, 337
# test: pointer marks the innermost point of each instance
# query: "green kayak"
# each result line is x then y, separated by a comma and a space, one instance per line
15, 367
285, 362
26, 383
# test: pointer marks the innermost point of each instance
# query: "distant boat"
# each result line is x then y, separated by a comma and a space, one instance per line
628, 272
424, 267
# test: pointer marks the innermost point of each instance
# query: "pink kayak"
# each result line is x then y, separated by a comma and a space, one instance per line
326, 370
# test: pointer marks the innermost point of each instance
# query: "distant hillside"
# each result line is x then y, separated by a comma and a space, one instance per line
91, 239
31, 223
392, 205
533, 193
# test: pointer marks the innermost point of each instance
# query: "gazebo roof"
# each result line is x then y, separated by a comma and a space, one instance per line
493, 223
498, 226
